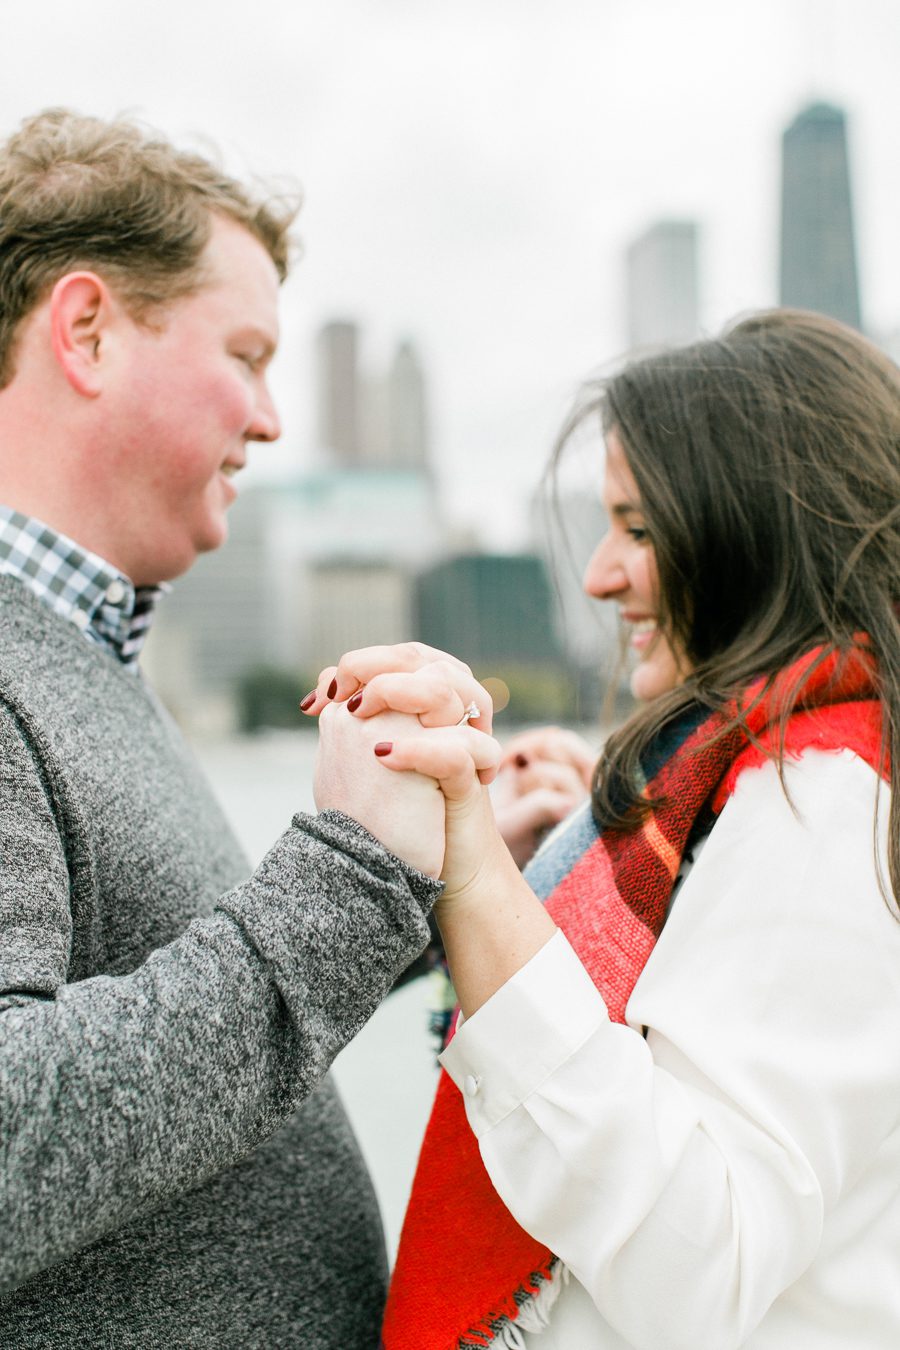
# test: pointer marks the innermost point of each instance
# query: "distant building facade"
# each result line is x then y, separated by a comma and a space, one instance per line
498, 613
663, 307
818, 250
338, 392
356, 603
348, 546
221, 618
489, 608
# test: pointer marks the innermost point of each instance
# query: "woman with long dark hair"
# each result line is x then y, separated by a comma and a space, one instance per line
671, 1111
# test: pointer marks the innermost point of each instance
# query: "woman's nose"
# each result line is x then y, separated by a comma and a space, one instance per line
604, 576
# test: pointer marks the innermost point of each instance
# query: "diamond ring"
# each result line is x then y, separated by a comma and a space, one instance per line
473, 710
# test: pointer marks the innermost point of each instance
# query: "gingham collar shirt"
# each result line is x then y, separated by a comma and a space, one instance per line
94, 596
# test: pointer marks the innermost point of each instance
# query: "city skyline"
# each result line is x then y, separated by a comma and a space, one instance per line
472, 174
353, 547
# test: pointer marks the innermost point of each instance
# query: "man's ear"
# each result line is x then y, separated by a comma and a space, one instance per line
81, 312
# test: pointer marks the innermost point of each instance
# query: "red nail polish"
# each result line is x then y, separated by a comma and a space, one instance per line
332, 689
308, 701
383, 748
521, 762
354, 702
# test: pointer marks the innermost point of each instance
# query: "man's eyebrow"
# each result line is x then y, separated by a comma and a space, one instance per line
264, 339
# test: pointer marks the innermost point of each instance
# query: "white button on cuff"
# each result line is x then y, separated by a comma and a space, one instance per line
80, 619
115, 592
471, 1084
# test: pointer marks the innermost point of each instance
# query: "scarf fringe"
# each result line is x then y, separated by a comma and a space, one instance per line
534, 1308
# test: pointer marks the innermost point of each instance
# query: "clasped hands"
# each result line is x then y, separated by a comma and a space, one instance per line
402, 708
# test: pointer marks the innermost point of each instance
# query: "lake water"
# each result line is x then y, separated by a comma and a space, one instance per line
387, 1076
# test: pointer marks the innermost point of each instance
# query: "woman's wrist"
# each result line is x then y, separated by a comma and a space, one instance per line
490, 929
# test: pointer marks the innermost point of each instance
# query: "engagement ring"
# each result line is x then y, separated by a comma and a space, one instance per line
473, 710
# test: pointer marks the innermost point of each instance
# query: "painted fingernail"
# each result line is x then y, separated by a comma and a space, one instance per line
383, 748
308, 701
332, 689
354, 702
521, 762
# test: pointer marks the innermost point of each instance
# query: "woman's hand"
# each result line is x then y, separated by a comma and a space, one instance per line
490, 921
455, 759
409, 677
544, 774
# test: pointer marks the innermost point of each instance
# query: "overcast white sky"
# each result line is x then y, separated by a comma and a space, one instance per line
473, 171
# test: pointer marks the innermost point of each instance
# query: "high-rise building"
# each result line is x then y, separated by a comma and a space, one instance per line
663, 291
343, 546
338, 392
407, 423
371, 420
818, 253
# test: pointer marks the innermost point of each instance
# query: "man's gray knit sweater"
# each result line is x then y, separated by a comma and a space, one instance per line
175, 1167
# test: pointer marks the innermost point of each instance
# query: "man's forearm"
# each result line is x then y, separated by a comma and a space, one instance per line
123, 1091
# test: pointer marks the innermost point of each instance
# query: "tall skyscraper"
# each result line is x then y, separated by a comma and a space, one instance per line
818, 253
407, 422
661, 265
369, 419
338, 392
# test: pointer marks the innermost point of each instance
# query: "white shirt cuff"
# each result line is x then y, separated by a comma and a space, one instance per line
523, 1033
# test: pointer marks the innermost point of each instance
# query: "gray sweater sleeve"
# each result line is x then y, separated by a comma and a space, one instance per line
117, 1093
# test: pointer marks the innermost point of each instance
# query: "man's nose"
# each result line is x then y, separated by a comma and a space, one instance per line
266, 424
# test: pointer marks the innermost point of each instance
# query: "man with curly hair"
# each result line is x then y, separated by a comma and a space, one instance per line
176, 1166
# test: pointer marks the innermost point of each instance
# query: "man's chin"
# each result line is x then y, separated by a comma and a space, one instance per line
214, 539
173, 565
212, 536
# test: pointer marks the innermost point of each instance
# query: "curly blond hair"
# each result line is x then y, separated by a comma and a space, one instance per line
118, 198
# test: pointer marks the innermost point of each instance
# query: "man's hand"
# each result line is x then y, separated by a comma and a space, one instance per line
405, 812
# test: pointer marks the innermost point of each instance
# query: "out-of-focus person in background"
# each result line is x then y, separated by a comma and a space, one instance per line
670, 1112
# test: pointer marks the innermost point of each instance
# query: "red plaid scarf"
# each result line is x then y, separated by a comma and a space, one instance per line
464, 1264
